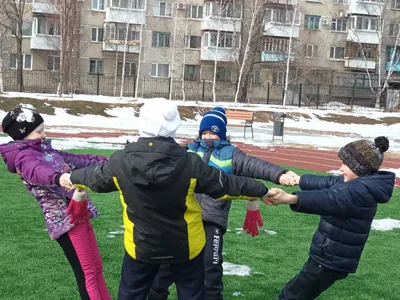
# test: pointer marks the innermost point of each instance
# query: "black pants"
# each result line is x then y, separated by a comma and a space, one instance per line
72, 257
212, 267
137, 278
312, 280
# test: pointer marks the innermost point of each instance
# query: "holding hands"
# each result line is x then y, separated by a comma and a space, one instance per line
289, 179
65, 182
277, 196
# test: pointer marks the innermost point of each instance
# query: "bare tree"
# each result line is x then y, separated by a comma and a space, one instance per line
296, 8
253, 12
379, 18
12, 17
125, 49
68, 30
7, 43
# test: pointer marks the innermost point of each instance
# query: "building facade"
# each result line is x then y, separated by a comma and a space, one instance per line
336, 41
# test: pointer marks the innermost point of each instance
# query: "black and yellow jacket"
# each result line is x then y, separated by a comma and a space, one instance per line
157, 180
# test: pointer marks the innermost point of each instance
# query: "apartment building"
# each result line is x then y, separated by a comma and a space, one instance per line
330, 41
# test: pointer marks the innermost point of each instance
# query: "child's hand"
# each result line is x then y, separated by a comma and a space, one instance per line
77, 208
271, 192
289, 179
281, 197
65, 182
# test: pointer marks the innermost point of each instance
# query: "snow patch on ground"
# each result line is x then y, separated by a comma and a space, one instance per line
238, 270
385, 224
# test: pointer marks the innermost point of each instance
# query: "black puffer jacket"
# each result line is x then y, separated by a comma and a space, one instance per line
347, 211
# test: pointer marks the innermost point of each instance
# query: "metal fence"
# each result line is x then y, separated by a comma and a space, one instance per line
307, 95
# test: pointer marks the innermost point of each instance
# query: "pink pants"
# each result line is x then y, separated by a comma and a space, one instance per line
84, 242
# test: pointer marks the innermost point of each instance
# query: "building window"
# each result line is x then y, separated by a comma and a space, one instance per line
341, 1
162, 9
227, 10
256, 77
117, 31
48, 26
364, 23
127, 4
276, 45
283, 16
223, 74
311, 51
160, 39
26, 28
311, 22
97, 34
130, 68
366, 50
389, 53
278, 78
225, 39
394, 29
98, 4
194, 12
337, 52
339, 25
96, 66
159, 70
192, 72
53, 63
193, 42
395, 4
26, 61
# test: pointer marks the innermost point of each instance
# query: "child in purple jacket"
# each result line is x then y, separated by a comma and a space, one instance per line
39, 166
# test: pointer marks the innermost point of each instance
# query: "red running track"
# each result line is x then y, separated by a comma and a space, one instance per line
303, 158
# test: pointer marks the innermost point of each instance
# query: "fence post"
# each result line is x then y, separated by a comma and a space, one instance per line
300, 91
98, 84
268, 92
283, 96
134, 86
169, 87
204, 89
317, 95
353, 94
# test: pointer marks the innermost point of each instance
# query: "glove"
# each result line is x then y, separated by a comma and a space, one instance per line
253, 218
77, 208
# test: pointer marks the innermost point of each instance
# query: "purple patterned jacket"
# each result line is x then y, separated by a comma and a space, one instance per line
38, 165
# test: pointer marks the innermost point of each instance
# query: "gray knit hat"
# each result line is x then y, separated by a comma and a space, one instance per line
364, 157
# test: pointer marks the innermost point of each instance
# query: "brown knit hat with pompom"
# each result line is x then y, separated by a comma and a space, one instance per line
364, 157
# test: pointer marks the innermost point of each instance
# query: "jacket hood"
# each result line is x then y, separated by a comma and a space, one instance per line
154, 161
380, 185
9, 151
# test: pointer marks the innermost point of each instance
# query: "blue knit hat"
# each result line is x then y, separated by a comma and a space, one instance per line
215, 121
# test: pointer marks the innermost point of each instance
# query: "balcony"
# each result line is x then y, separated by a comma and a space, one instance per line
359, 63
122, 15
116, 45
44, 8
211, 23
282, 2
395, 68
363, 36
281, 29
269, 56
219, 54
373, 8
45, 42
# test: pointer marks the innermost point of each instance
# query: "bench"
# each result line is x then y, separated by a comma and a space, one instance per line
245, 119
